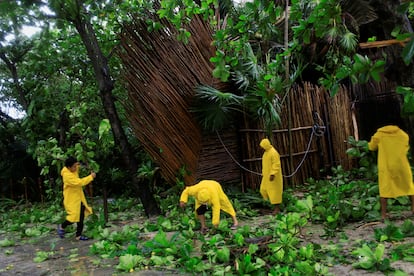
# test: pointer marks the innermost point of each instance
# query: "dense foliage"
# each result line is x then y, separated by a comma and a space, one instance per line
48, 78
262, 245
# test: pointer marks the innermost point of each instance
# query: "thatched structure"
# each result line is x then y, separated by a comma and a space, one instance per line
161, 74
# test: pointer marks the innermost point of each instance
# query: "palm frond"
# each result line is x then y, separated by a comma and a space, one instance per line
349, 41
249, 71
212, 117
251, 65
332, 34
215, 110
262, 104
211, 94
241, 80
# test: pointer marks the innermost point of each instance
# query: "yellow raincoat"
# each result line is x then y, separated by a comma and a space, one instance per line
271, 190
394, 172
73, 194
209, 192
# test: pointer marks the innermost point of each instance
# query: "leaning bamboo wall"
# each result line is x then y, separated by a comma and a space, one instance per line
161, 75
310, 106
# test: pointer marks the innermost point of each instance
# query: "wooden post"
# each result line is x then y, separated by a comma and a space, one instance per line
105, 204
287, 77
39, 183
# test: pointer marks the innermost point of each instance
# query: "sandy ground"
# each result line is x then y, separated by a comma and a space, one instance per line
358, 232
73, 257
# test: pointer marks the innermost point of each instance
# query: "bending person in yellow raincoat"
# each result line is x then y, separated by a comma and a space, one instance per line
271, 186
209, 192
74, 200
394, 172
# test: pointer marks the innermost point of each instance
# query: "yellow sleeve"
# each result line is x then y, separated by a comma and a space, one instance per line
74, 180
184, 195
373, 144
215, 208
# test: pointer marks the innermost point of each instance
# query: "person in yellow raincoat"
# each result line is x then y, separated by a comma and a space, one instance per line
271, 186
74, 200
209, 193
394, 172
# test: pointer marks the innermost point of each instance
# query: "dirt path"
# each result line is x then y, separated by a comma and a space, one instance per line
71, 257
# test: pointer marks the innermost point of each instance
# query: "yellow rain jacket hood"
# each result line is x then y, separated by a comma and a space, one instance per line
271, 165
73, 194
394, 171
209, 192
265, 144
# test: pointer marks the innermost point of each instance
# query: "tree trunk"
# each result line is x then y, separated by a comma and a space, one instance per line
106, 85
11, 65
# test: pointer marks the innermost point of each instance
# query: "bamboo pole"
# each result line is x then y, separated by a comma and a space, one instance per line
287, 78
383, 43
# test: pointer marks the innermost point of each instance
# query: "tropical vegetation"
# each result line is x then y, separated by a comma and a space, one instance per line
66, 82
273, 245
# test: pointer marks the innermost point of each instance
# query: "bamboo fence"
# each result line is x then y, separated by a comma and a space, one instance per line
307, 154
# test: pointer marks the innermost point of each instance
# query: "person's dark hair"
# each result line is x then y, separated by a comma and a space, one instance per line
391, 115
70, 161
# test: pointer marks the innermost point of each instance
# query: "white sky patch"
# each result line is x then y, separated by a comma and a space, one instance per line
30, 30
7, 108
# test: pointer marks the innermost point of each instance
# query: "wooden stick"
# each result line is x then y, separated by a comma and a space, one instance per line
383, 43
